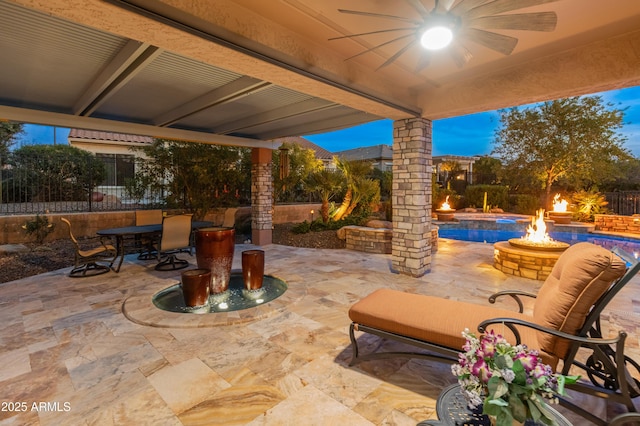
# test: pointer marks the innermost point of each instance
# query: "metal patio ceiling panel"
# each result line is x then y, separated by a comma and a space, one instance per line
166, 83
254, 104
53, 65
333, 117
48, 62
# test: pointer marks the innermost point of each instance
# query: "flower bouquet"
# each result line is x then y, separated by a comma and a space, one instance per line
510, 382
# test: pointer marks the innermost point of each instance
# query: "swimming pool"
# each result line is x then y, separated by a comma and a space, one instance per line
630, 245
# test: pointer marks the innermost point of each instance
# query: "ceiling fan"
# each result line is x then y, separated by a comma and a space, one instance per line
453, 24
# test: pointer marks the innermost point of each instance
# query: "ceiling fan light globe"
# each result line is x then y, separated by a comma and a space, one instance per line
436, 38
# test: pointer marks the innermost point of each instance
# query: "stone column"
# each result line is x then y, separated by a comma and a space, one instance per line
261, 197
411, 197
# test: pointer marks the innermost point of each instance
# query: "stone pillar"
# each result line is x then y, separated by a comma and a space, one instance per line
261, 197
411, 197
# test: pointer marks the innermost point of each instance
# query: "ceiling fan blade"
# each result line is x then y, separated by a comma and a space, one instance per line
379, 46
460, 55
419, 7
497, 42
423, 61
542, 21
380, 15
466, 5
372, 32
396, 55
443, 6
499, 6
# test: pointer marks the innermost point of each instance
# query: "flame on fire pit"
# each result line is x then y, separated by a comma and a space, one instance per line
559, 205
446, 205
537, 237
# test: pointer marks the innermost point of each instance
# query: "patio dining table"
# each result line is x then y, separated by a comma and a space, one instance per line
132, 231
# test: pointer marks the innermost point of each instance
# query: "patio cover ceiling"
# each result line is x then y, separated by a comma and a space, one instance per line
246, 71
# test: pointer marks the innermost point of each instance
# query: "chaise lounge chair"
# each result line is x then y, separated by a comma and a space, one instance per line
564, 325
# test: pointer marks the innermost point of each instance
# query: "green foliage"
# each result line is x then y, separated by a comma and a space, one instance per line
497, 195
8, 132
589, 203
328, 184
524, 203
196, 176
487, 171
386, 182
361, 190
574, 139
54, 173
302, 228
317, 225
289, 185
39, 227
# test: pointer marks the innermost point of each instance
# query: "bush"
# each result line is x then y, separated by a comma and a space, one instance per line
39, 227
497, 195
524, 204
318, 225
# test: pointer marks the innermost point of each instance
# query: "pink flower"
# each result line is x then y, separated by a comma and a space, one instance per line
488, 348
481, 370
529, 361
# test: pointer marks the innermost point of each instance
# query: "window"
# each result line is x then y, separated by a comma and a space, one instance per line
119, 167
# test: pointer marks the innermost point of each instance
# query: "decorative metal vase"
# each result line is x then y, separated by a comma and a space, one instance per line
253, 272
195, 287
253, 269
214, 251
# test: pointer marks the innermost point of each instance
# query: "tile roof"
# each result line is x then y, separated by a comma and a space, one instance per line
321, 153
108, 136
367, 153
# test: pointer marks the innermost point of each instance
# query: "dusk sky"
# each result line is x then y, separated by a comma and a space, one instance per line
465, 135
474, 134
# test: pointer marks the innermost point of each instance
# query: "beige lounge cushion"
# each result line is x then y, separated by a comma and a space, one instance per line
435, 320
579, 278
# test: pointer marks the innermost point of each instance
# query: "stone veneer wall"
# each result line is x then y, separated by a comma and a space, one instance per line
411, 197
523, 263
617, 223
377, 240
261, 196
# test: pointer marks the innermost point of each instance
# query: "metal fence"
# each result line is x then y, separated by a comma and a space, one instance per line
624, 203
38, 185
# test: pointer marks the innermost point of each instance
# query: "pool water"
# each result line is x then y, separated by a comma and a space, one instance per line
492, 236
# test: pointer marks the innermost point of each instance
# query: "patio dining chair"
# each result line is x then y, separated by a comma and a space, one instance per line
147, 241
175, 238
564, 326
86, 260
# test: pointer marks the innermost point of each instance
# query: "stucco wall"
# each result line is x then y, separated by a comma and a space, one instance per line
86, 224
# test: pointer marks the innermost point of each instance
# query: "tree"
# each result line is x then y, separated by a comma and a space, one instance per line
572, 138
54, 173
289, 184
197, 176
328, 183
8, 132
487, 170
355, 172
450, 169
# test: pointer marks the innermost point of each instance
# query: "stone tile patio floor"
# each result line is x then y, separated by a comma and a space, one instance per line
78, 347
